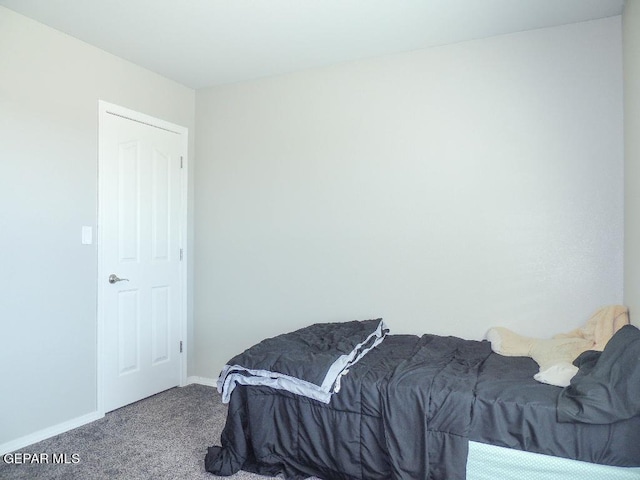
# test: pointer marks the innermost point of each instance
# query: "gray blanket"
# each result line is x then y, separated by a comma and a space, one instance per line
606, 388
316, 359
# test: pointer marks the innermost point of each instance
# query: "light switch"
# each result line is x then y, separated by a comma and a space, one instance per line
87, 235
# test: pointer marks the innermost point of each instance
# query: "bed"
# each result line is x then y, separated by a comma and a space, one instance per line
349, 401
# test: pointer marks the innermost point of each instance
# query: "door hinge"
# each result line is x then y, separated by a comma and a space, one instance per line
181, 254
180, 346
181, 161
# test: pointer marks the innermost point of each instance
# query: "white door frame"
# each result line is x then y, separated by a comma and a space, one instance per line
105, 108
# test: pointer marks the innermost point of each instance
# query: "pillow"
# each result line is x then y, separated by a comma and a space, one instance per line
559, 374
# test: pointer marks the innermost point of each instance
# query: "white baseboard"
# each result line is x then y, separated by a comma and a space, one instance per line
210, 382
20, 443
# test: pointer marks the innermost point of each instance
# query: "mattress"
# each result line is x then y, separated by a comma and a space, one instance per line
489, 462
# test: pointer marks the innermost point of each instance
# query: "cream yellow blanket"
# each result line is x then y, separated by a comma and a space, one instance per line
555, 356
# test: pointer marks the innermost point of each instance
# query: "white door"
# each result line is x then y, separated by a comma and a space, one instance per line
140, 274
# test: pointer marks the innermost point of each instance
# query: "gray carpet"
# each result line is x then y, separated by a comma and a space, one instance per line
164, 437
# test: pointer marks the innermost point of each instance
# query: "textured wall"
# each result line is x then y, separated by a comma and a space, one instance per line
447, 190
631, 46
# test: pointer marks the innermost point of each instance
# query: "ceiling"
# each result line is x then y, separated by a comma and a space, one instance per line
201, 43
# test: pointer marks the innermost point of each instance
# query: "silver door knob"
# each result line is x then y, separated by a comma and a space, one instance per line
113, 278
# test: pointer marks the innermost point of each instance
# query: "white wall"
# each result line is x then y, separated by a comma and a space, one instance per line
631, 37
446, 190
49, 90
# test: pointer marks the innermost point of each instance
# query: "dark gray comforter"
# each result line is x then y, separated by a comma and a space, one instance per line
404, 415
